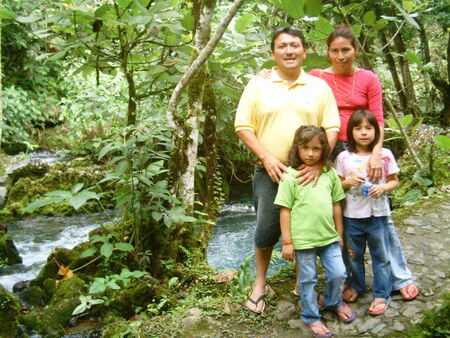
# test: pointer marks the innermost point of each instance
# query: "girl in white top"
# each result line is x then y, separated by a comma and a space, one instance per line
367, 209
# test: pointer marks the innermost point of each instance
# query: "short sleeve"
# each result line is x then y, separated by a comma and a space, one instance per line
337, 190
339, 165
245, 114
286, 192
389, 163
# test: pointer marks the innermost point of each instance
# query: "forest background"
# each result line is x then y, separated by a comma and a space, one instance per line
147, 90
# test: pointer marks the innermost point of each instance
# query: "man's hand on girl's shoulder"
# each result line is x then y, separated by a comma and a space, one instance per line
308, 173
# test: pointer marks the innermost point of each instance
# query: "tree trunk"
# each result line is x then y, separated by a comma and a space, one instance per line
440, 83
408, 85
393, 70
183, 156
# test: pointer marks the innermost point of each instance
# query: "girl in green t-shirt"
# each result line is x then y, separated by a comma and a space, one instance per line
311, 225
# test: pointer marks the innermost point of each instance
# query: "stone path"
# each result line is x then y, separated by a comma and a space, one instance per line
426, 244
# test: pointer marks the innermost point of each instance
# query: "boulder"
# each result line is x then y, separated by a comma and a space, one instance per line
8, 251
9, 309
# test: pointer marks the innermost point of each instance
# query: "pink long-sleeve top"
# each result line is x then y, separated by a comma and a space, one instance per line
358, 90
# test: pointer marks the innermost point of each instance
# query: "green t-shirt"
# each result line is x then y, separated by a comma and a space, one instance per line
312, 223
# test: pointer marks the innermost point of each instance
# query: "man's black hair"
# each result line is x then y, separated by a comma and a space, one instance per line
288, 30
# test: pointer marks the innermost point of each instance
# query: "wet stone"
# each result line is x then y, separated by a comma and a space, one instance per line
378, 328
390, 313
368, 325
285, 310
410, 311
397, 326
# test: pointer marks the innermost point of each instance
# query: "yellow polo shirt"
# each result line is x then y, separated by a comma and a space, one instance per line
274, 110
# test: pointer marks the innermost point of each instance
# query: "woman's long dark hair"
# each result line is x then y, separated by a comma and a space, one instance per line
303, 135
355, 120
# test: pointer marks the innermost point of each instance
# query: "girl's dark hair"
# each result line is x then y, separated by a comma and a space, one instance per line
291, 30
355, 120
343, 31
303, 135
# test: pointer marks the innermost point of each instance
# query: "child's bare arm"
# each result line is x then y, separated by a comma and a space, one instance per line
287, 251
351, 181
337, 217
378, 189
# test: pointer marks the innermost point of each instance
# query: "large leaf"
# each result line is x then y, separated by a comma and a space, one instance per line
294, 8
369, 18
421, 180
313, 8
41, 203
5, 14
244, 22
88, 252
414, 58
106, 250
443, 141
411, 196
124, 246
408, 18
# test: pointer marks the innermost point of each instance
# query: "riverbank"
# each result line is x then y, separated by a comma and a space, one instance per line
423, 229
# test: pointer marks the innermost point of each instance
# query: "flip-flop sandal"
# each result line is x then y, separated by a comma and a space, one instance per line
318, 325
380, 302
259, 299
341, 310
407, 288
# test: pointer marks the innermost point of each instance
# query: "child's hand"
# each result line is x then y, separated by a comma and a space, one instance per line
377, 190
354, 181
287, 252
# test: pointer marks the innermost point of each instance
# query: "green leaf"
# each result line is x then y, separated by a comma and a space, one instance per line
369, 18
406, 120
172, 282
98, 286
431, 191
411, 196
324, 26
88, 252
313, 8
41, 203
408, 5
294, 8
77, 201
392, 123
6, 14
379, 24
156, 216
414, 58
443, 141
106, 250
121, 168
80, 308
408, 18
188, 22
244, 22
124, 246
421, 180
100, 12
77, 187
59, 193
28, 19
98, 238
139, 20
106, 149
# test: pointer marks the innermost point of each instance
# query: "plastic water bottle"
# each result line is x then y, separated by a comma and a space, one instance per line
365, 188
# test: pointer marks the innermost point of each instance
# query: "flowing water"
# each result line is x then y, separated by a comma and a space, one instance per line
232, 241
35, 238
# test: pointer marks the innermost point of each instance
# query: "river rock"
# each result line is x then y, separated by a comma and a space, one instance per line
285, 310
397, 326
368, 325
295, 324
192, 317
8, 252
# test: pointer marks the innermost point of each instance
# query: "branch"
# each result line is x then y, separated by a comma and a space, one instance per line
199, 61
404, 134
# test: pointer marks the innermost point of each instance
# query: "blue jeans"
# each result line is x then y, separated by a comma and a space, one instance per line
401, 275
268, 229
331, 258
374, 232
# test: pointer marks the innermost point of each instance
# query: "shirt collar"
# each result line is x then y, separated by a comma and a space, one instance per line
274, 77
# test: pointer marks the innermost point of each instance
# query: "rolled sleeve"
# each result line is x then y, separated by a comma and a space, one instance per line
245, 115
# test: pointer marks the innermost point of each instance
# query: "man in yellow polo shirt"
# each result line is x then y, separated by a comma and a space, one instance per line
269, 113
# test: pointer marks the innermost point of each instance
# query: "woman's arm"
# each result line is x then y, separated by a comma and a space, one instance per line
288, 250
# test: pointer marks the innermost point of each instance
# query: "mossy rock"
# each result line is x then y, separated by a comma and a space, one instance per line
34, 296
8, 251
59, 256
32, 170
9, 309
52, 319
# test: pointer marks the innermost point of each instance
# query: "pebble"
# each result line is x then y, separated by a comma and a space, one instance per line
410, 230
